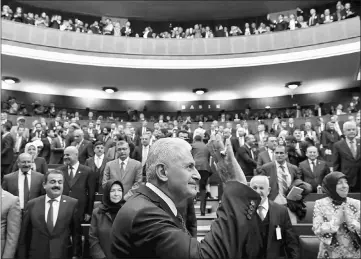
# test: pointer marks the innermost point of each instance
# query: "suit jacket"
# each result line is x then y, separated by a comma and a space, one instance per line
85, 151
108, 142
98, 172
138, 132
10, 184
36, 241
188, 213
263, 158
22, 145
344, 162
52, 124
82, 188
259, 140
143, 215
278, 216
328, 139
201, 156
314, 178
7, 149
270, 170
40, 164
46, 151
111, 154
245, 160
314, 21
57, 152
14, 131
10, 224
131, 179
34, 134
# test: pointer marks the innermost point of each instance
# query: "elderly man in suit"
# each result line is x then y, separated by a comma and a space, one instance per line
49, 222
347, 157
10, 224
246, 156
85, 147
97, 164
125, 169
201, 158
149, 225
25, 183
79, 182
267, 156
313, 170
7, 149
272, 216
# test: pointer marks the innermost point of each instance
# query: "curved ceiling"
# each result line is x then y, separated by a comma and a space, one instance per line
185, 10
324, 74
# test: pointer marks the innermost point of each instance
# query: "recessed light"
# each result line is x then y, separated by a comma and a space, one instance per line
268, 107
10, 80
200, 91
109, 89
293, 85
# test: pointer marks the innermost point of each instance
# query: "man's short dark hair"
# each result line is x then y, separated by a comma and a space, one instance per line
291, 139
184, 132
7, 126
98, 143
197, 138
52, 171
281, 146
270, 136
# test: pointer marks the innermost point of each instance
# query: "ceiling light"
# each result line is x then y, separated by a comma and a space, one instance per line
268, 107
200, 91
109, 89
359, 76
10, 80
293, 85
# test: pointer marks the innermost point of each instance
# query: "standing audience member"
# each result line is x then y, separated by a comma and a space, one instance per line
346, 156
7, 149
85, 147
336, 220
10, 224
49, 223
57, 147
79, 182
272, 216
313, 170
268, 155
328, 138
38, 164
102, 220
24, 183
141, 152
247, 157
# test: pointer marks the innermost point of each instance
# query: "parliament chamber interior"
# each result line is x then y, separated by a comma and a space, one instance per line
182, 129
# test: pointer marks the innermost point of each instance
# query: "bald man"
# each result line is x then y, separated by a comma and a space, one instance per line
85, 147
79, 182
272, 216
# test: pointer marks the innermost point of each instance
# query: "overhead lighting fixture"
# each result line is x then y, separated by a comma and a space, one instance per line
268, 107
109, 89
10, 80
359, 76
293, 85
200, 91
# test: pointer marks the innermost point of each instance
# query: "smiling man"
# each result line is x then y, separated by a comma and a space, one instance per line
49, 221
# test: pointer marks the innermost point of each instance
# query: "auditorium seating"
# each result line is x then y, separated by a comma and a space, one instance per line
53, 166
309, 246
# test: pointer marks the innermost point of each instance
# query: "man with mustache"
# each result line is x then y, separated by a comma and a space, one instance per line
49, 222
24, 183
79, 182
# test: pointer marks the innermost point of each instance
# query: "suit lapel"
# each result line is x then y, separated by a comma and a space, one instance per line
308, 167
347, 148
41, 212
16, 182
127, 168
77, 176
66, 176
32, 185
61, 214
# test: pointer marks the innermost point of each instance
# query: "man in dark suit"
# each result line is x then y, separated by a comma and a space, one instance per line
188, 213
313, 170
246, 157
58, 144
267, 156
106, 139
25, 183
20, 142
49, 222
272, 216
46, 151
149, 225
261, 135
201, 158
143, 129
7, 149
291, 126
39, 133
227, 134
4, 118
85, 147
97, 164
347, 157
141, 152
79, 183
55, 123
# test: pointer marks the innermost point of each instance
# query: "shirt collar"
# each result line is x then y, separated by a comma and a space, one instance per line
100, 157
349, 141
264, 204
75, 166
164, 197
310, 161
47, 199
21, 173
278, 164
125, 161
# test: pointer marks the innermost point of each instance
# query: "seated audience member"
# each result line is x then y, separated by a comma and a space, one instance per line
247, 157
328, 138
102, 220
336, 220
267, 156
270, 216
314, 18
50, 222
347, 157
313, 170
10, 224
347, 12
38, 164
125, 169
24, 183
153, 209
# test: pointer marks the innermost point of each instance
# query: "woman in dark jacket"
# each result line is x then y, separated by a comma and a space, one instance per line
102, 220
328, 138
38, 163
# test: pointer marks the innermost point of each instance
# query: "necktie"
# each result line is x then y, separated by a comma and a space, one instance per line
104, 139
181, 220
284, 179
353, 149
261, 212
313, 166
122, 170
26, 189
50, 218
71, 175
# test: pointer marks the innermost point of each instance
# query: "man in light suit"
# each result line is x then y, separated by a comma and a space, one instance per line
10, 224
125, 169
79, 183
267, 156
49, 222
25, 183
246, 157
201, 158
272, 215
313, 170
347, 157
85, 147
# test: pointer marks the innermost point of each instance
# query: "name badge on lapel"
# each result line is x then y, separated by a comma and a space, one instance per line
278, 233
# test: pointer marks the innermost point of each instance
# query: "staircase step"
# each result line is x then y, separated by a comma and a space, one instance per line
206, 220
198, 208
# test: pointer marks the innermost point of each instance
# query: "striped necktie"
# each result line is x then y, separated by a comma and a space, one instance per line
284, 179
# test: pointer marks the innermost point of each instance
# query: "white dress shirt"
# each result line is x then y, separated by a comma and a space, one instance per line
98, 160
270, 153
164, 197
61, 140
311, 165
75, 168
145, 151
56, 205
265, 207
18, 143
21, 179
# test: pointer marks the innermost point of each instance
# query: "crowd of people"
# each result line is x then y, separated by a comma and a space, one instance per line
299, 20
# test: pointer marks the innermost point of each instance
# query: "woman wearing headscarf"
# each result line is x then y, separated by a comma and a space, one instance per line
38, 163
336, 220
102, 220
